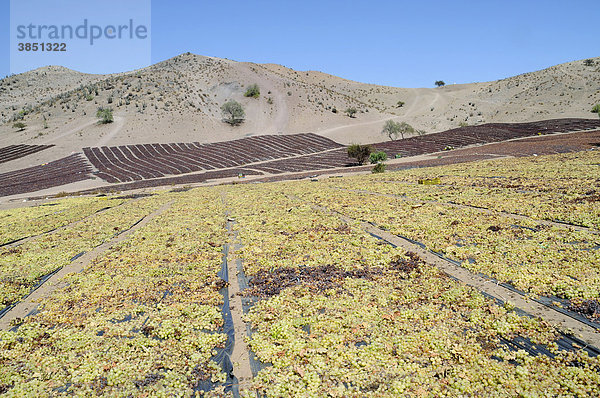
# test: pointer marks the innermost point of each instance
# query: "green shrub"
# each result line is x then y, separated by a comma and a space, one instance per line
400, 104
105, 115
20, 126
379, 168
378, 157
596, 109
233, 112
351, 112
359, 152
440, 83
253, 91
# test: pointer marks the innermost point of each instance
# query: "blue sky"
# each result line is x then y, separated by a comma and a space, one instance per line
397, 43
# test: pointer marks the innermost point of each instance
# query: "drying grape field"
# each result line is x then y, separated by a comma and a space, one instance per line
128, 167
285, 290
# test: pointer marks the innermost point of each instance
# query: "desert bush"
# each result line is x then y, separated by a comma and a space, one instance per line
596, 109
20, 126
400, 104
233, 113
351, 112
359, 152
379, 168
378, 157
392, 129
253, 91
440, 83
105, 115
588, 62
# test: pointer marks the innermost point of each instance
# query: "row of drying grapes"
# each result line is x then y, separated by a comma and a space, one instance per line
23, 266
24, 222
533, 257
142, 320
562, 188
341, 314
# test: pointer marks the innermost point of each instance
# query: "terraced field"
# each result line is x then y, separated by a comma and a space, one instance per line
286, 290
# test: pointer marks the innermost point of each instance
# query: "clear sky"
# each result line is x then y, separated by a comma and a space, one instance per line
397, 43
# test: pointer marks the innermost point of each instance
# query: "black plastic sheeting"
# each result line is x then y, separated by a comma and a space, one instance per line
223, 356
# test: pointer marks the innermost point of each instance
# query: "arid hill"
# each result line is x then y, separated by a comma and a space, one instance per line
179, 100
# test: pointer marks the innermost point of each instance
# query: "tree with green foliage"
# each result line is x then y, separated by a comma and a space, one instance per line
440, 83
400, 104
253, 91
596, 109
393, 129
359, 152
20, 126
351, 112
378, 157
233, 113
105, 115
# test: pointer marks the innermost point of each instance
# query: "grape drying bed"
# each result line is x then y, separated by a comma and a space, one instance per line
67, 170
327, 307
13, 152
483, 134
148, 165
140, 162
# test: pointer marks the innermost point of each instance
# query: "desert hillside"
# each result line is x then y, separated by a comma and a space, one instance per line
179, 100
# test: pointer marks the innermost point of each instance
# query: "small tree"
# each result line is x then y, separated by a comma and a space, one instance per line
392, 129
105, 115
440, 83
351, 112
359, 152
400, 104
20, 126
378, 157
406, 128
596, 109
253, 91
233, 112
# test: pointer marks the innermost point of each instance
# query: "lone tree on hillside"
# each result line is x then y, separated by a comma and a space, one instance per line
359, 152
392, 129
233, 113
253, 91
20, 126
440, 83
105, 115
596, 109
351, 111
